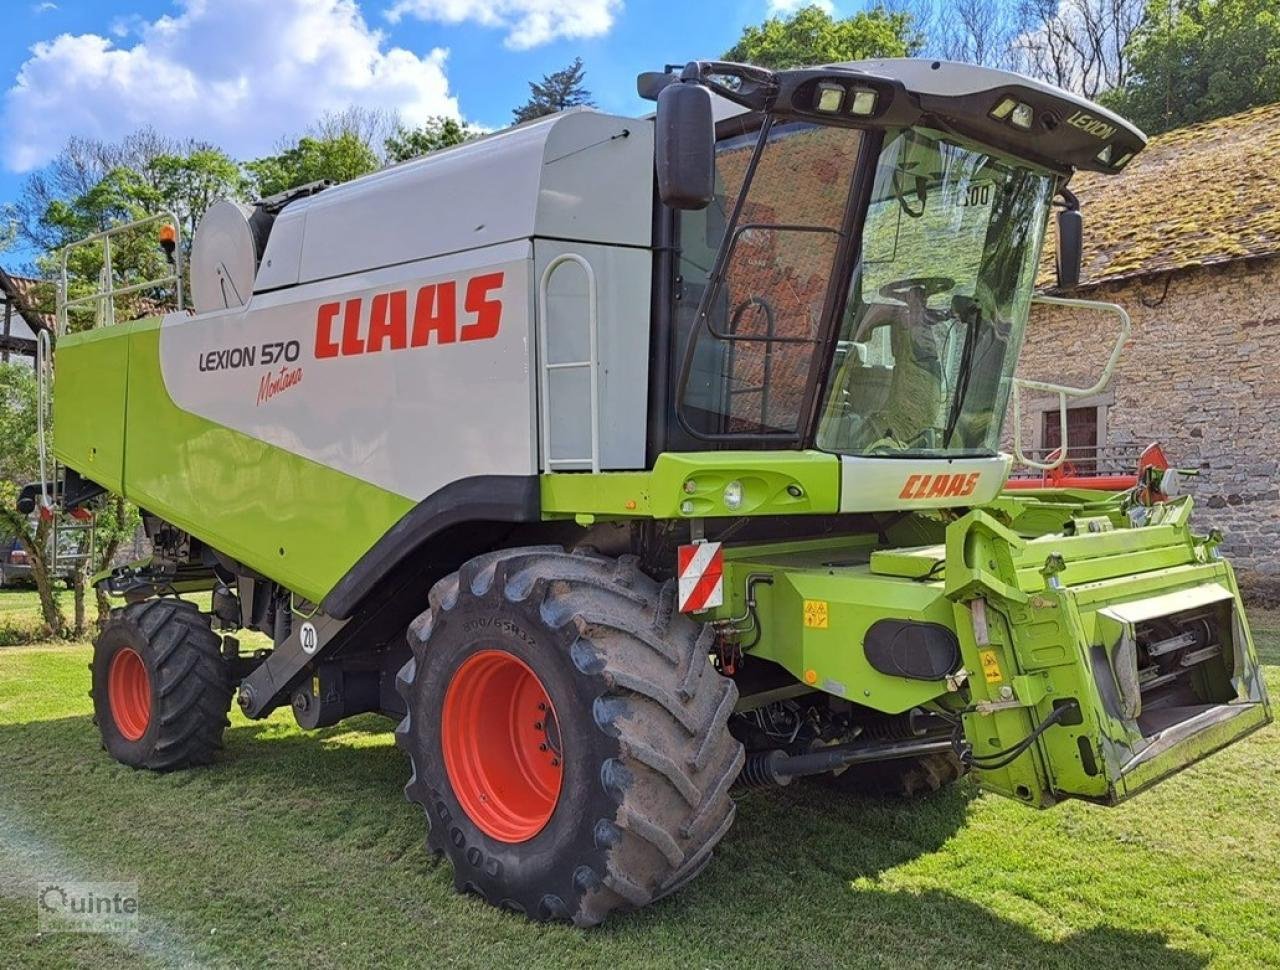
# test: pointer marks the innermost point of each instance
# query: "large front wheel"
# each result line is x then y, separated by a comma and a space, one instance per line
567, 734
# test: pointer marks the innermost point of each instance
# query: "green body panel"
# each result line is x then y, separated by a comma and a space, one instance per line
822, 645
89, 406
289, 518
691, 485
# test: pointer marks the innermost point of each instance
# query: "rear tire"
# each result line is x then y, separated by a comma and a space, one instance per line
640, 715
161, 689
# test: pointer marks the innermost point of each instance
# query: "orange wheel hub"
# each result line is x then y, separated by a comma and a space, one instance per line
129, 693
501, 745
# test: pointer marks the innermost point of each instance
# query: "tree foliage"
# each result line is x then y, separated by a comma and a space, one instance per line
435, 134
557, 91
19, 464
813, 36
338, 159
1201, 59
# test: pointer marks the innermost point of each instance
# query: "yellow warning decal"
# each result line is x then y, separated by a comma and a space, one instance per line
815, 614
991, 666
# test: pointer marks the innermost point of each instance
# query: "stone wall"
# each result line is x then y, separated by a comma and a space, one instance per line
1201, 375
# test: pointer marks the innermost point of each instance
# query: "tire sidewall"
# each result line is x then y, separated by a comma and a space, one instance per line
547, 862
120, 634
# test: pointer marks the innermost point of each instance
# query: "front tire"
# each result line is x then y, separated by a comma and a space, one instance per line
534, 656
161, 689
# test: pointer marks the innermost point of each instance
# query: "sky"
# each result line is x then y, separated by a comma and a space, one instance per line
243, 74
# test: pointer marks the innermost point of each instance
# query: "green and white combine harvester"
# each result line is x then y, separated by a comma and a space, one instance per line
614, 492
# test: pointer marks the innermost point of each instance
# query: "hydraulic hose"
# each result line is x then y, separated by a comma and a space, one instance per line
1002, 759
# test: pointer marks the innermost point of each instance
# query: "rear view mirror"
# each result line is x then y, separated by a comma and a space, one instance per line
685, 146
1070, 255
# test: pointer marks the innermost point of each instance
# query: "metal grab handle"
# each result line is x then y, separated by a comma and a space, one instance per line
592, 362
1062, 390
44, 381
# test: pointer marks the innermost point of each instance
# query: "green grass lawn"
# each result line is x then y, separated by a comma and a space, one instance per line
299, 850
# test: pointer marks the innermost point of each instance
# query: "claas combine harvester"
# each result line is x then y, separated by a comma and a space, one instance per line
622, 461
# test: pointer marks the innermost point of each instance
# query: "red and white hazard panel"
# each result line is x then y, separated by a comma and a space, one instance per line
701, 573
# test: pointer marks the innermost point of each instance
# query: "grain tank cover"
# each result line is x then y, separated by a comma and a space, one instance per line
224, 257
580, 175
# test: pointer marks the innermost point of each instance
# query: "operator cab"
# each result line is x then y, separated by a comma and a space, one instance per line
858, 247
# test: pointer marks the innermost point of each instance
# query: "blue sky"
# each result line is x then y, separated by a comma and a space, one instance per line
245, 73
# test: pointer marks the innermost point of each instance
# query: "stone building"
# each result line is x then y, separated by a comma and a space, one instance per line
1187, 240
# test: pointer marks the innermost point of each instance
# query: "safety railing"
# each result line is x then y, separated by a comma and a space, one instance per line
1063, 391
103, 299
44, 413
591, 364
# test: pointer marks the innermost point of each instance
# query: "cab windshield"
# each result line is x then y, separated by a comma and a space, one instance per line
938, 302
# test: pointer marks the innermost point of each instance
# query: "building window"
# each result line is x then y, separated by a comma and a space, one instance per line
1082, 436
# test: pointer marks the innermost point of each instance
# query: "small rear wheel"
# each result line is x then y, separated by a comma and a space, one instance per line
161, 688
567, 734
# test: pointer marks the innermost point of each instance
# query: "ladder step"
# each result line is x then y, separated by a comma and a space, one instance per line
566, 365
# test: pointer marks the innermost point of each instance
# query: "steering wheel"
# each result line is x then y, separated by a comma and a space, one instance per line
888, 445
923, 288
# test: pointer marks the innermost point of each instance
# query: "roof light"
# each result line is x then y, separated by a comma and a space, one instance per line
863, 101
1123, 160
1002, 109
1022, 116
829, 97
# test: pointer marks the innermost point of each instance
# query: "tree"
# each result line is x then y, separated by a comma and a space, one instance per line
436, 133
19, 464
812, 36
555, 92
1201, 59
977, 32
1080, 45
338, 159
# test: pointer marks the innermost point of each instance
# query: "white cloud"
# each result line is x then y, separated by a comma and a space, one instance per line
528, 23
45, 7
785, 8
238, 73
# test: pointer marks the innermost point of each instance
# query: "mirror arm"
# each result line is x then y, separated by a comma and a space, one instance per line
758, 89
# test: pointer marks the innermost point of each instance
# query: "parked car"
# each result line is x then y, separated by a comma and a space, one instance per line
15, 568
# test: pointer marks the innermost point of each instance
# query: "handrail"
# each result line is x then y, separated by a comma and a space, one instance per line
44, 381
592, 362
104, 297
1063, 391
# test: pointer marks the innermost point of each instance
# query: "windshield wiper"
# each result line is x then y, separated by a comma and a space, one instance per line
966, 367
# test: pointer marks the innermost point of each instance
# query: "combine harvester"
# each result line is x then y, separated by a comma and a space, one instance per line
613, 493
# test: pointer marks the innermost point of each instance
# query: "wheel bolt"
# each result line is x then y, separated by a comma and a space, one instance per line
537, 725
541, 706
542, 747
555, 762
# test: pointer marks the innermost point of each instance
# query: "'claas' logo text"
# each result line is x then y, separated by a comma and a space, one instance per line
386, 323
920, 487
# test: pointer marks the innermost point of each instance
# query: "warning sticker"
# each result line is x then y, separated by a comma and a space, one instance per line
991, 666
815, 614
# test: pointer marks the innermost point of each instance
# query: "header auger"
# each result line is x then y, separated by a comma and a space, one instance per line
618, 461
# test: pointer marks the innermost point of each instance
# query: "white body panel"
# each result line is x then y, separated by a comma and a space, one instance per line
418, 417
578, 175
409, 419
881, 484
